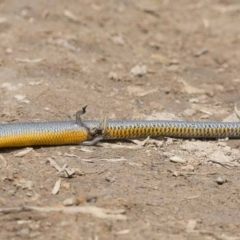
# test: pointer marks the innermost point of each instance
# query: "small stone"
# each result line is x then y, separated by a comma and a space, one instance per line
200, 52
188, 167
118, 39
109, 177
9, 50
191, 225
169, 141
139, 70
221, 180
69, 201
24, 232
66, 185
227, 149
222, 144
81, 200
114, 76
194, 100
12, 192
167, 90
91, 199
175, 173
167, 154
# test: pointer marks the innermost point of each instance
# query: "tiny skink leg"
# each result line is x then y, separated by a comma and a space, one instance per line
95, 133
79, 120
94, 141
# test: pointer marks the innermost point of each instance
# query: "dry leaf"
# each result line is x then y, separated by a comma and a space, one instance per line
54, 164
56, 187
119, 146
70, 15
23, 153
140, 92
177, 159
106, 159
140, 143
160, 58
4, 162
27, 60
226, 9
190, 89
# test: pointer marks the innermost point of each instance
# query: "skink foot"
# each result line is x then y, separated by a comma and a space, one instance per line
98, 133
95, 133
93, 142
79, 121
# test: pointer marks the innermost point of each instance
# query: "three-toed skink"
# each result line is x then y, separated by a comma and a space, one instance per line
91, 131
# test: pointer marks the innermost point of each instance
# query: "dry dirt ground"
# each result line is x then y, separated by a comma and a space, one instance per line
127, 60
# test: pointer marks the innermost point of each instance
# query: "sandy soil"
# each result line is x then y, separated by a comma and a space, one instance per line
128, 60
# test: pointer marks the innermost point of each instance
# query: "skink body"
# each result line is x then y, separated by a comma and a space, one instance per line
69, 132
42, 133
178, 129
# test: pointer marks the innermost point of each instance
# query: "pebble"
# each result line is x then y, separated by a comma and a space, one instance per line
69, 201
221, 180
188, 167
194, 100
139, 70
